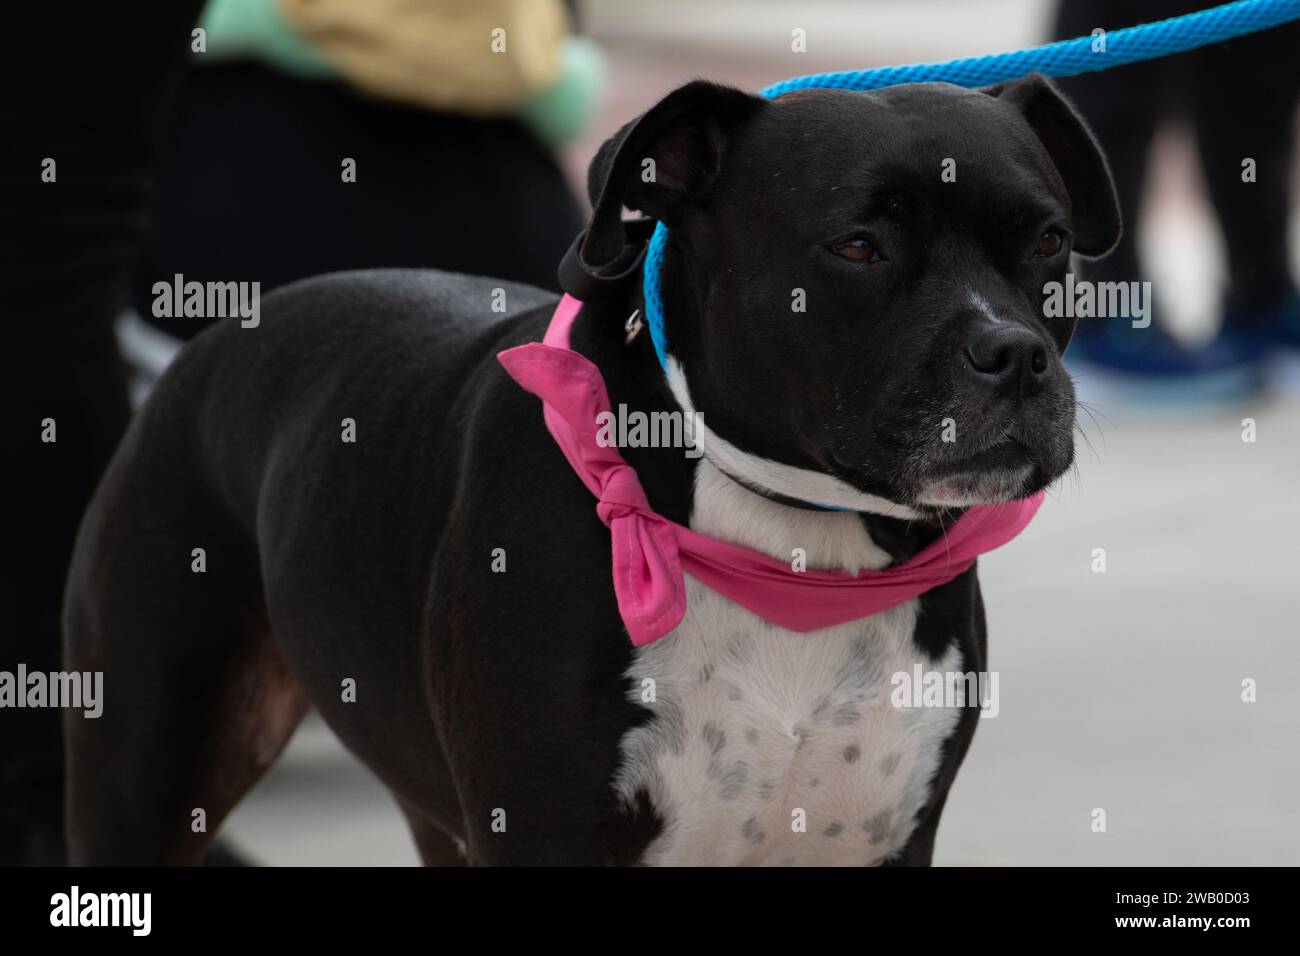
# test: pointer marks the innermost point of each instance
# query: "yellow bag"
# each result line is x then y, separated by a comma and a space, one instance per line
482, 57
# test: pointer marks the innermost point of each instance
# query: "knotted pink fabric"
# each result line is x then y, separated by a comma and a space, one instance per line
651, 553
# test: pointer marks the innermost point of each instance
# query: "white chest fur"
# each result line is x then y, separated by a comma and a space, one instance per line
767, 746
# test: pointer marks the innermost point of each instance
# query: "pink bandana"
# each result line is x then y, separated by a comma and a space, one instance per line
651, 553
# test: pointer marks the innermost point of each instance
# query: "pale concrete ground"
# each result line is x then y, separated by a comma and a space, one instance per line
1118, 690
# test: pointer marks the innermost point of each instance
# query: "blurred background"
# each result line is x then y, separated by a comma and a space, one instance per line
1120, 689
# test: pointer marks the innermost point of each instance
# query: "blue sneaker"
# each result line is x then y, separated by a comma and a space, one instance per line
1150, 365
1274, 326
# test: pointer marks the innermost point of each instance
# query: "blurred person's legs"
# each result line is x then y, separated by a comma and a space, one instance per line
1125, 106
87, 86
1244, 98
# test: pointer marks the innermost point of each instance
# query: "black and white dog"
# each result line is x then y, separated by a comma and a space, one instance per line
505, 711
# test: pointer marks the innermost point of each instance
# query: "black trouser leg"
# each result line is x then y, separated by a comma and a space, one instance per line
1123, 106
1244, 97
85, 85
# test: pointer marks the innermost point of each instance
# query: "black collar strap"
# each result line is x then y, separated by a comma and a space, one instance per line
588, 283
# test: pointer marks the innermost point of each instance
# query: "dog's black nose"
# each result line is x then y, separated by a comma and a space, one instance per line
1010, 358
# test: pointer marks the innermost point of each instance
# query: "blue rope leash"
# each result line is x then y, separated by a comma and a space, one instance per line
1064, 58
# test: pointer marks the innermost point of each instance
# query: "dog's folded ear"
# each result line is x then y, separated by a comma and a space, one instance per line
661, 161
1078, 158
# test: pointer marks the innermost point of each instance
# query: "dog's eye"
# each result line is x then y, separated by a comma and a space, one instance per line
857, 250
1049, 244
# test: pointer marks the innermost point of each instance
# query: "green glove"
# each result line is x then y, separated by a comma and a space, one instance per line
563, 111
254, 29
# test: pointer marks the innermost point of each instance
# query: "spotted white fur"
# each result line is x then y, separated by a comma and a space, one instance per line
755, 728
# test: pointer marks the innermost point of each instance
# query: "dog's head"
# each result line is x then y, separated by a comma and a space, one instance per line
854, 285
